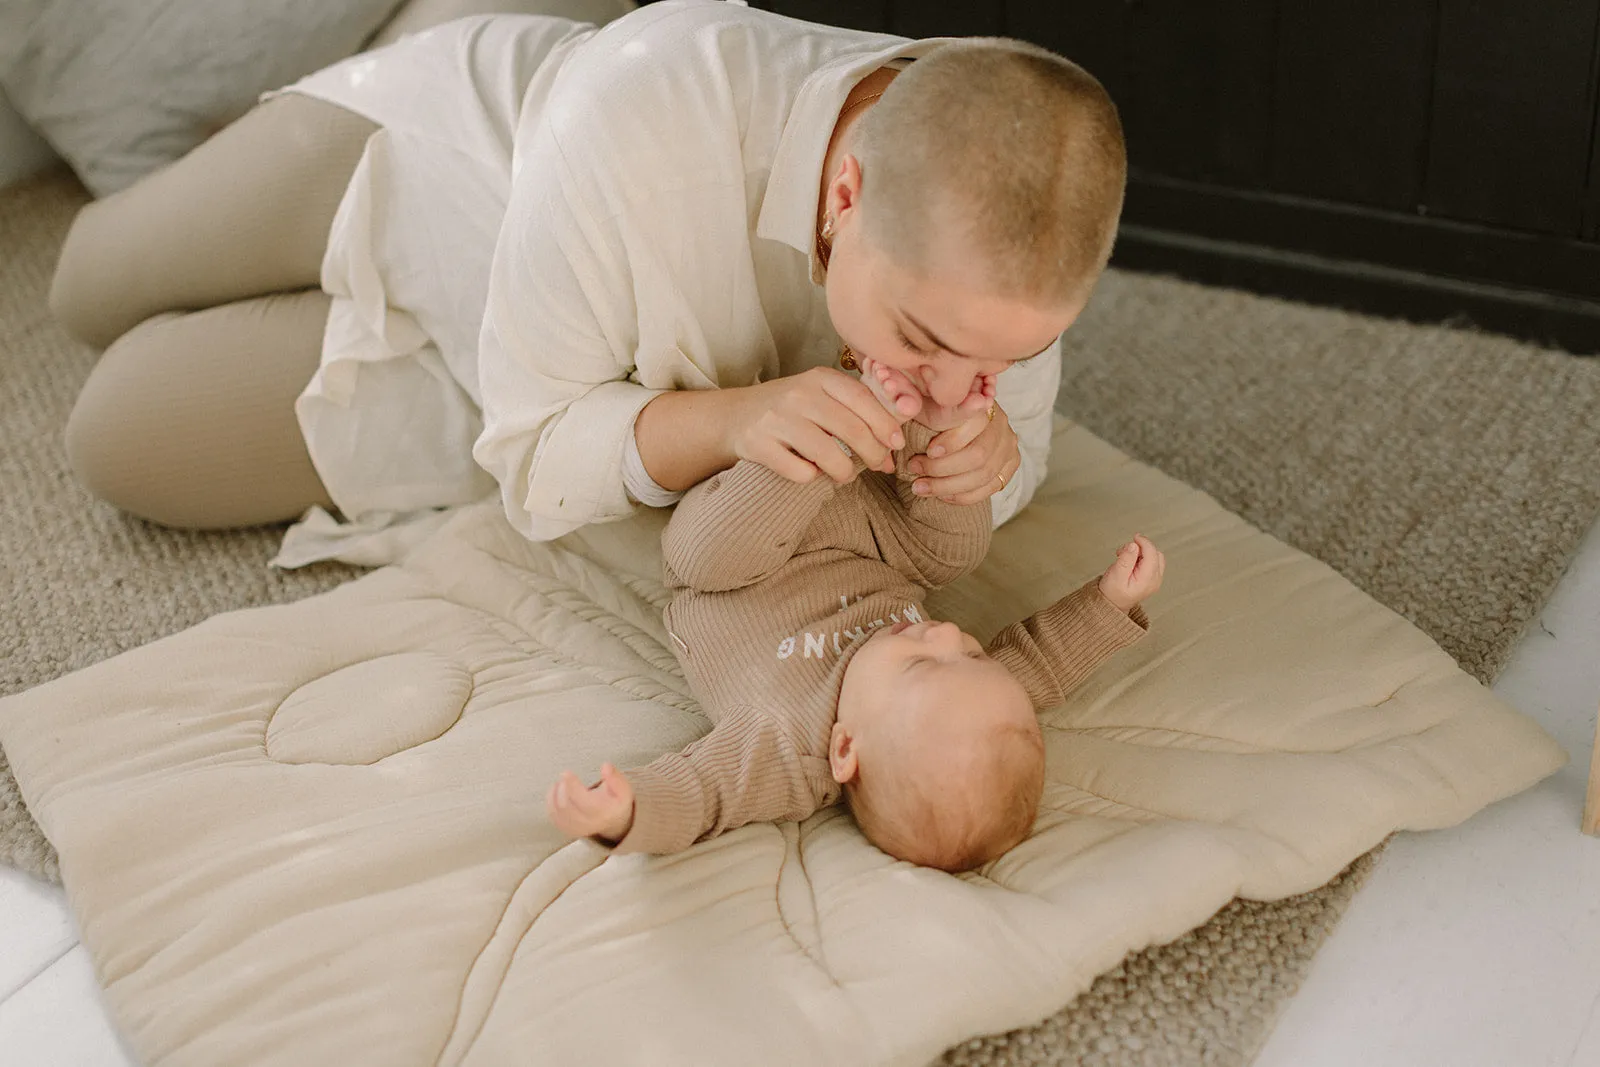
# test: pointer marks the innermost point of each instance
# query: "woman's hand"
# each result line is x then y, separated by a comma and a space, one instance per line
971, 461
604, 811
793, 426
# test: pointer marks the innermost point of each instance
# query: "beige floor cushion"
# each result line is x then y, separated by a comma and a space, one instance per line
314, 833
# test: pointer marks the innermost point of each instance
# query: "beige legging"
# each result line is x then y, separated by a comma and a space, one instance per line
188, 418
201, 283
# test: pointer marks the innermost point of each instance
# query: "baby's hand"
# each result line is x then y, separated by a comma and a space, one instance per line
1135, 575
893, 389
604, 811
978, 404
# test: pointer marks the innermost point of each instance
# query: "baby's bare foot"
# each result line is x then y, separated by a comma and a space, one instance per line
893, 389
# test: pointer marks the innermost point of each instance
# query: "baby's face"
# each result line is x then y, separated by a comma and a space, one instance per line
927, 685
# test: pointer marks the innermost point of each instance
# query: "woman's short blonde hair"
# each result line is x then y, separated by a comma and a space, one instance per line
1014, 145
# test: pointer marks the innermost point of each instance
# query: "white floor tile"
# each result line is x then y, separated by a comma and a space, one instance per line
35, 928
59, 1020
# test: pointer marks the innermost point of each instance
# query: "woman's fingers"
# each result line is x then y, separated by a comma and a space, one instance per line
777, 458
959, 463
971, 496
799, 413
821, 447
878, 432
976, 442
958, 438
975, 460
968, 487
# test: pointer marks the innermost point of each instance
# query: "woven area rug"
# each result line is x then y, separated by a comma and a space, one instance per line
1446, 473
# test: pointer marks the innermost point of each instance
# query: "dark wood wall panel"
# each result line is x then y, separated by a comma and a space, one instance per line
1350, 114
1427, 158
1091, 33
1591, 212
871, 15
1512, 114
1198, 103
947, 18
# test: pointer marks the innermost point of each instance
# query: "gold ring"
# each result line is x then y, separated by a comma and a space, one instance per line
1002, 479
991, 412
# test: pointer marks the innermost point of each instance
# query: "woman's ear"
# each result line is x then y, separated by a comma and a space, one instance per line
844, 191
842, 754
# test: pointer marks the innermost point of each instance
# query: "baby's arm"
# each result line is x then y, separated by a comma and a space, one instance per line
737, 527
1053, 651
745, 770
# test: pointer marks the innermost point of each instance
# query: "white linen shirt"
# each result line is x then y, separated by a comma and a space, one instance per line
661, 235
552, 226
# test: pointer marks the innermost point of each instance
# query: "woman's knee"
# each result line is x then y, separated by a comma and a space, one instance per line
86, 275
108, 433
103, 434
245, 214
188, 420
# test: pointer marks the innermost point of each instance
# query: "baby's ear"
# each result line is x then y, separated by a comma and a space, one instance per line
842, 754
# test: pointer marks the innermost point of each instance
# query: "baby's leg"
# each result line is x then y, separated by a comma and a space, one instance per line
245, 214
188, 419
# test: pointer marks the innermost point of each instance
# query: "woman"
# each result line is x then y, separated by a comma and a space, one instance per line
587, 269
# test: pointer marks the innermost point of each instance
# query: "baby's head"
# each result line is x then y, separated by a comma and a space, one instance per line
937, 746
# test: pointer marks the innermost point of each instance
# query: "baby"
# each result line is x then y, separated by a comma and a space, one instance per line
797, 616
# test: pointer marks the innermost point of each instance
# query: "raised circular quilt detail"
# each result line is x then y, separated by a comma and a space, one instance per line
361, 713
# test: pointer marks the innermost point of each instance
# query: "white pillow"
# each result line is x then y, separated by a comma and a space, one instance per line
22, 152
121, 87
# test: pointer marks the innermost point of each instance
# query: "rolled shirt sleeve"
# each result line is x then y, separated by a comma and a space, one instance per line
622, 270
556, 352
637, 480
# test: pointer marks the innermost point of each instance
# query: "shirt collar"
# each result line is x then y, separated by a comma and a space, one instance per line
789, 207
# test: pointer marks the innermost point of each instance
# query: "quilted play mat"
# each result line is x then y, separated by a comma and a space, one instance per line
315, 832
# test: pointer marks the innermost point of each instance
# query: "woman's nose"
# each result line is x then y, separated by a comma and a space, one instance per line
947, 386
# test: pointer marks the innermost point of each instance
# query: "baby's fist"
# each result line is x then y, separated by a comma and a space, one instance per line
1135, 575
604, 811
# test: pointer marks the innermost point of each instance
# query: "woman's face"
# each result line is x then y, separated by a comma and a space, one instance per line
942, 328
